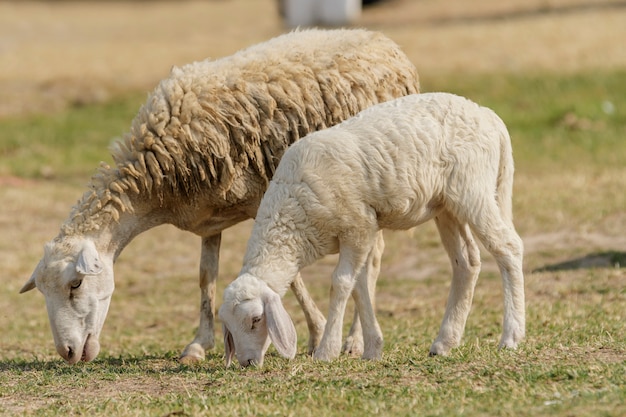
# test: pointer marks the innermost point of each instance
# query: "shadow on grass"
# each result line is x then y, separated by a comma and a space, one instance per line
607, 259
145, 364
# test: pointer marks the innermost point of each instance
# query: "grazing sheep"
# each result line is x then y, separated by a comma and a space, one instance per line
199, 155
395, 165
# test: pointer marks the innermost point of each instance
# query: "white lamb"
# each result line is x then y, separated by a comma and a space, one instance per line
395, 165
199, 155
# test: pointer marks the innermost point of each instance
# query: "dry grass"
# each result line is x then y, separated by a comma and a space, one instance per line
55, 53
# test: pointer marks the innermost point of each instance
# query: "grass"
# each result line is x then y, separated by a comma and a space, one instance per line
65, 145
572, 364
570, 152
553, 120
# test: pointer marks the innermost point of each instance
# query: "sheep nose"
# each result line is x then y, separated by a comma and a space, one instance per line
248, 363
67, 353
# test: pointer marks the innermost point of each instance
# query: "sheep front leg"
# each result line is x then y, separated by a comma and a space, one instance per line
314, 318
342, 285
209, 267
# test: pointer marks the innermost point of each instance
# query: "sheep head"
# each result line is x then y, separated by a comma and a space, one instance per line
252, 316
77, 283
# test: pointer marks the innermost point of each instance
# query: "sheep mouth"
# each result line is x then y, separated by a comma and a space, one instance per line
90, 350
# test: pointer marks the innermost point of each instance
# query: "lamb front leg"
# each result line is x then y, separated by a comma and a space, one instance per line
209, 267
342, 285
354, 342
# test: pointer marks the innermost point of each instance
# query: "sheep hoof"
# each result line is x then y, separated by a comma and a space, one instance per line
193, 353
353, 346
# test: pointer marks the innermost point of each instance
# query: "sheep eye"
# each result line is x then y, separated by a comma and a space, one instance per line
255, 320
76, 284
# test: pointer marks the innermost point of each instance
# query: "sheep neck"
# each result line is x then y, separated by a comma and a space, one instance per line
110, 214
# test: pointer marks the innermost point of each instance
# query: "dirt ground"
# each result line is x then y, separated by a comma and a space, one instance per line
55, 53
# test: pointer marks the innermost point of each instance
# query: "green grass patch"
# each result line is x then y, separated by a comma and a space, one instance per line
65, 145
556, 123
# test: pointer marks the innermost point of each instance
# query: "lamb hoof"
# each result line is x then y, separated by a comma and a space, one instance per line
372, 356
193, 353
508, 344
353, 346
374, 350
512, 337
438, 349
324, 355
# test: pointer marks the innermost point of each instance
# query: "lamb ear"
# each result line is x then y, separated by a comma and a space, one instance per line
229, 345
279, 325
31, 283
88, 262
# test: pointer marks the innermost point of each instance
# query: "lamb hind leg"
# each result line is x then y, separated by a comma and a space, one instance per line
464, 256
209, 267
502, 241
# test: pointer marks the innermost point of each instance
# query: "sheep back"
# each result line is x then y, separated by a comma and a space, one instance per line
211, 122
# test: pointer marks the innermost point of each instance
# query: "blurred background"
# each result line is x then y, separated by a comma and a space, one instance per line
54, 53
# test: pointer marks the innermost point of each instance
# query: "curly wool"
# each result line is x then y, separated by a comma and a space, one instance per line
211, 122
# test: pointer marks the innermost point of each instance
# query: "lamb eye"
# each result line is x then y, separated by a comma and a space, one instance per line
255, 320
76, 284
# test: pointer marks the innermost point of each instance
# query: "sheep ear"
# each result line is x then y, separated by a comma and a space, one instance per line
89, 260
229, 345
32, 281
279, 325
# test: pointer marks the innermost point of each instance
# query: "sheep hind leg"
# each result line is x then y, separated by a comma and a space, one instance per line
498, 235
354, 344
315, 320
464, 256
209, 267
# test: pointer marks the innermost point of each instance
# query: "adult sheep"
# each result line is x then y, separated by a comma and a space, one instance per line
395, 165
199, 155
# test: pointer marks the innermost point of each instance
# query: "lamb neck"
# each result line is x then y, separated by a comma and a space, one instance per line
279, 245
